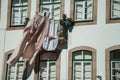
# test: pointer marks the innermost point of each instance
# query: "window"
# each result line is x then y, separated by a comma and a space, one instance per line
49, 66
13, 72
18, 10
82, 64
55, 7
113, 11
113, 63
84, 11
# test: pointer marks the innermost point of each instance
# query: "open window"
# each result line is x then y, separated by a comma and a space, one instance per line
55, 7
83, 12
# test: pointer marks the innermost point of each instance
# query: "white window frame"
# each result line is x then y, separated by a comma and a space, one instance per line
83, 11
82, 75
48, 70
82, 61
51, 5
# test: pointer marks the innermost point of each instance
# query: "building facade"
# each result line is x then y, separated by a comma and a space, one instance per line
92, 50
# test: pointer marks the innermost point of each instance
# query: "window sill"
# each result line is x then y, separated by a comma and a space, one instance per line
15, 27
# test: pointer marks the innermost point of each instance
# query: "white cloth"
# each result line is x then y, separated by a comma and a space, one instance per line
51, 40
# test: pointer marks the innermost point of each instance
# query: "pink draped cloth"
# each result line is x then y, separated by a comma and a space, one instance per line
31, 41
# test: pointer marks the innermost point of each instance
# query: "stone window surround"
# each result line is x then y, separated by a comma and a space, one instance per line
93, 60
84, 22
9, 14
108, 20
57, 64
5, 64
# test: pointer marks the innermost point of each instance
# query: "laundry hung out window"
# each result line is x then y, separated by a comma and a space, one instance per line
18, 12
82, 65
83, 10
53, 6
115, 64
115, 9
15, 72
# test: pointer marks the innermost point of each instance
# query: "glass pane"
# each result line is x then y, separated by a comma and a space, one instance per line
115, 70
24, 2
19, 2
53, 9
77, 55
83, 10
78, 11
18, 15
89, 10
15, 72
43, 71
87, 55
115, 8
47, 70
115, 54
88, 70
15, 3
52, 71
77, 72
20, 71
56, 11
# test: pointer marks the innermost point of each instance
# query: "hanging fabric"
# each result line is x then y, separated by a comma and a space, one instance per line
32, 39
51, 39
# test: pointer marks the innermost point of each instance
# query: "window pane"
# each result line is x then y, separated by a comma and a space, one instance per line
87, 54
19, 12
77, 72
115, 54
15, 72
77, 55
52, 71
43, 71
18, 15
19, 2
115, 8
115, 70
47, 70
53, 9
83, 10
82, 70
88, 70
